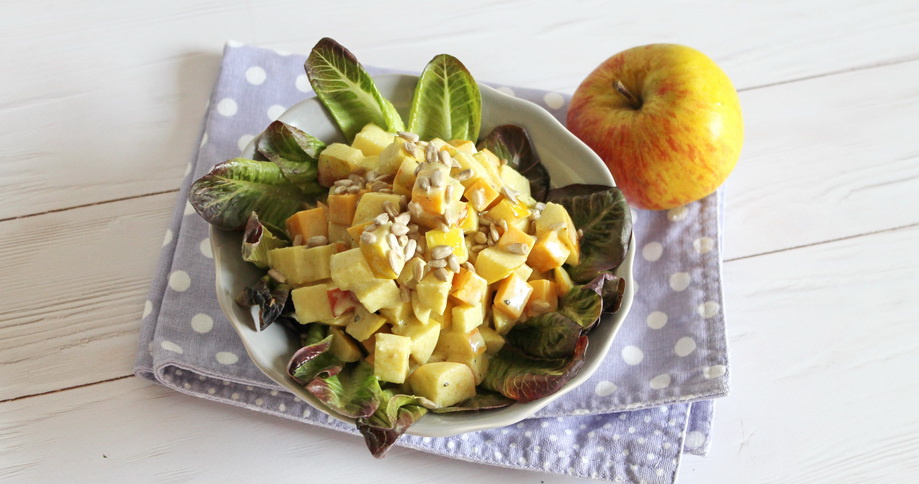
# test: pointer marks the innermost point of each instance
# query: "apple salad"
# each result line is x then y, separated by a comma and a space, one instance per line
423, 268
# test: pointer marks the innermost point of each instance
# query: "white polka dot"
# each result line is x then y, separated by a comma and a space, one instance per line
694, 439
275, 112
680, 281
715, 371
282, 407
703, 245
657, 320
255, 75
604, 388
227, 358
234, 43
259, 401
498, 455
187, 386
170, 346
211, 391
243, 141
306, 412
303, 83
684, 346
553, 438
652, 251
677, 214
202, 323
148, 308
167, 238
708, 309
632, 355
205, 248
554, 100
660, 382
189, 209
227, 107
274, 393
506, 90
235, 396
179, 281
659, 472
203, 140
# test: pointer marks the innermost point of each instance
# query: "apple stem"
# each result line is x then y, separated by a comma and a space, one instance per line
633, 101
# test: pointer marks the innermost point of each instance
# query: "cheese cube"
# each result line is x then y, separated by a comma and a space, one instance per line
493, 341
378, 294
549, 252
512, 295
385, 262
308, 223
452, 238
468, 287
555, 217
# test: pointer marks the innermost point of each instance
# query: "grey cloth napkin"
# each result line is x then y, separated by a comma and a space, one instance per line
649, 403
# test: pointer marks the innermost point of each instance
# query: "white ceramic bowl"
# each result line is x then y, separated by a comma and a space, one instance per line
567, 159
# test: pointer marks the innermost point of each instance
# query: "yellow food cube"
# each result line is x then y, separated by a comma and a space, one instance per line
343, 347
355, 231
509, 211
452, 238
502, 322
468, 287
544, 298
385, 262
563, 282
487, 194
341, 208
378, 294
467, 348
392, 157
363, 323
371, 204
405, 177
524, 272
469, 221
444, 146
494, 264
337, 161
463, 145
421, 310
513, 235
466, 318
493, 341
433, 293
489, 163
548, 253
555, 217
428, 192
445, 383
424, 338
512, 295
300, 264
308, 223
512, 179
372, 140
390, 357
349, 269
311, 303
399, 315
339, 233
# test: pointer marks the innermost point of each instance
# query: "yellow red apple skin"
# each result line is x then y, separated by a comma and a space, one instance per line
684, 140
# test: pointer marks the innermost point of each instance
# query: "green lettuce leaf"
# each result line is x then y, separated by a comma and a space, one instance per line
523, 378
603, 214
269, 296
549, 335
347, 90
582, 305
447, 103
314, 360
392, 418
512, 143
295, 152
354, 392
234, 189
258, 239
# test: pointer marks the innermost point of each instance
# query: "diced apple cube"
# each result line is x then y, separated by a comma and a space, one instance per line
392, 157
555, 217
502, 322
372, 140
300, 264
343, 347
405, 177
385, 262
390, 357
337, 161
339, 233
364, 323
378, 294
466, 318
467, 348
399, 315
549, 252
544, 298
494, 264
371, 204
524, 272
563, 282
463, 145
469, 222
312, 303
493, 341
512, 179
421, 310
445, 383
512, 295
433, 293
350, 269
424, 338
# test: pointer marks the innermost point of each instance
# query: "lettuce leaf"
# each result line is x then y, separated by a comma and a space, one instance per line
603, 214
258, 239
314, 360
549, 335
269, 296
511, 143
354, 392
481, 401
348, 91
447, 103
234, 189
392, 418
295, 152
524, 378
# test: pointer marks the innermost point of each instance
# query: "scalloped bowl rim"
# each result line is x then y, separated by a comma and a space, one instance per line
271, 349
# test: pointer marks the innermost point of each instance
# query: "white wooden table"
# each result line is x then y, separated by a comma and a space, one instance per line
101, 105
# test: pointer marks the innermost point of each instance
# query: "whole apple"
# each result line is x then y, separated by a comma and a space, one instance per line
666, 121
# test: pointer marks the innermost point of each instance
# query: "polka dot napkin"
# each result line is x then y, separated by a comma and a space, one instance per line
649, 403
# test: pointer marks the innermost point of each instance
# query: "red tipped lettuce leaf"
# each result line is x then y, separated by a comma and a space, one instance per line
392, 418
234, 189
549, 335
314, 360
603, 215
269, 297
523, 378
295, 152
481, 401
258, 239
353, 392
511, 143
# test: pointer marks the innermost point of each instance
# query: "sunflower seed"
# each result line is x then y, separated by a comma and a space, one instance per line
410, 248
392, 241
276, 275
411, 137
480, 238
424, 183
437, 263
418, 270
443, 227
390, 209
415, 209
448, 192
403, 218
403, 239
398, 229
340, 190
468, 266
418, 168
493, 232
381, 219
370, 227
371, 175
478, 198
503, 224
502, 161
464, 175
298, 240
478, 247
485, 220
580, 234
344, 182
517, 248
540, 206
317, 240
404, 294
441, 274
456, 164
437, 179
356, 179
441, 251
354, 189
394, 258
430, 154
413, 228
368, 238
445, 158
453, 263
409, 147
510, 194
